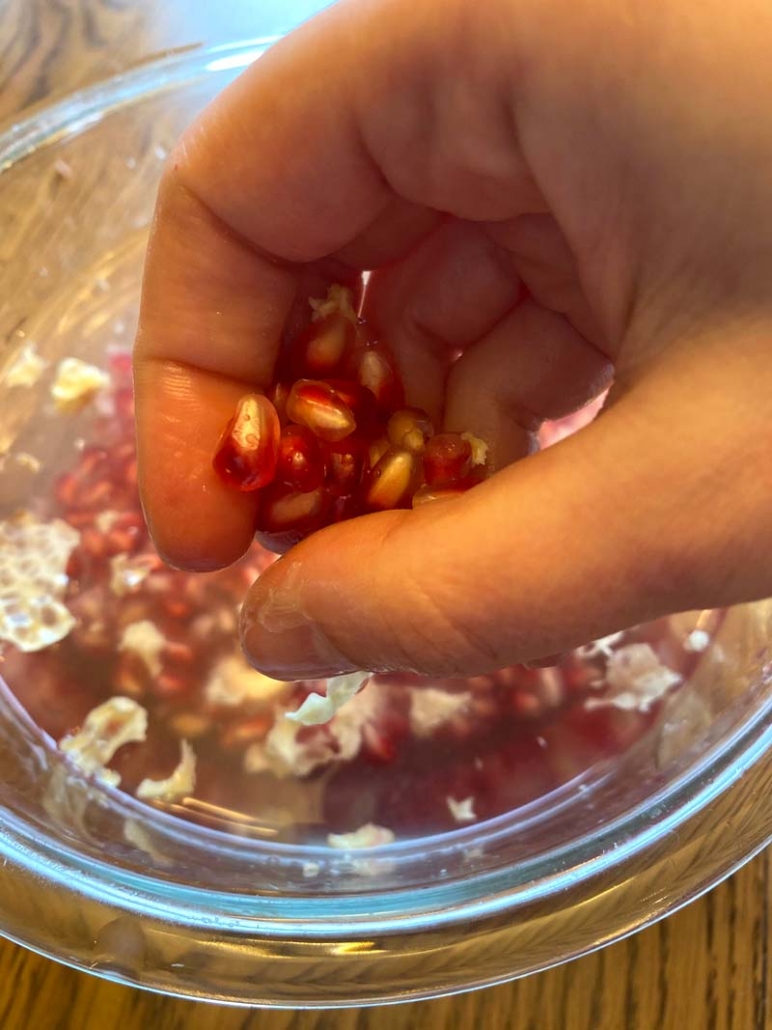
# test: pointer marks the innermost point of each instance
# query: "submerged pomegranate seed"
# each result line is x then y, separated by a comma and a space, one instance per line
316, 405
300, 464
410, 428
391, 483
379, 745
247, 454
447, 459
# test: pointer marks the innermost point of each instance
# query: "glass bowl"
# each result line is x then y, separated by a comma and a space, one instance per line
260, 915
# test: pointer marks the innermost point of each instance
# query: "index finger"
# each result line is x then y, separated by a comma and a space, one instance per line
315, 151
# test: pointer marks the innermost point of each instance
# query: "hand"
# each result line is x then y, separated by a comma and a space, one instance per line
613, 158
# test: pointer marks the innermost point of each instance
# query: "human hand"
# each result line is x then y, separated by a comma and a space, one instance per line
615, 160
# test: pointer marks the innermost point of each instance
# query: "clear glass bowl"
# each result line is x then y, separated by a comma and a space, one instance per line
96, 879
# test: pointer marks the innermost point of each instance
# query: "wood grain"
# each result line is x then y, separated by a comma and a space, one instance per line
705, 968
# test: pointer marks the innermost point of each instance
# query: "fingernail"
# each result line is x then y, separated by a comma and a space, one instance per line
277, 636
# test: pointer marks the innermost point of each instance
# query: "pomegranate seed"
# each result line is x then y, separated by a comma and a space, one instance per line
246, 456
284, 509
368, 416
378, 744
322, 346
240, 734
410, 428
427, 494
376, 451
176, 608
124, 404
447, 459
375, 369
178, 653
128, 679
66, 489
170, 685
316, 405
122, 541
343, 508
391, 482
124, 452
93, 545
527, 705
90, 460
130, 472
344, 462
189, 725
278, 395
74, 569
96, 495
300, 463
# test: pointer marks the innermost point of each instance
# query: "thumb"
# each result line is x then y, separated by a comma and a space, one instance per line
656, 507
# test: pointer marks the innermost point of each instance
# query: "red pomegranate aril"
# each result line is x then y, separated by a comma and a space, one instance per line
131, 473
343, 508
130, 679
93, 544
315, 405
66, 489
283, 509
391, 483
376, 451
178, 653
95, 495
124, 404
170, 685
122, 541
246, 456
240, 734
369, 417
447, 459
344, 463
176, 608
375, 369
300, 463
410, 428
379, 744
278, 395
321, 347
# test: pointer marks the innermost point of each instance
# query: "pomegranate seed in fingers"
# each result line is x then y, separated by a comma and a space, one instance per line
249, 448
410, 428
392, 482
300, 463
315, 405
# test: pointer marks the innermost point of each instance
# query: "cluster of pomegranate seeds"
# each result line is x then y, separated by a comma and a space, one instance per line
333, 438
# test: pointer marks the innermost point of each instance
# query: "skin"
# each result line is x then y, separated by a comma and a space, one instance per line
613, 157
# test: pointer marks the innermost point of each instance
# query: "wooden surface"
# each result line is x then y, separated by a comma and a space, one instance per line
705, 968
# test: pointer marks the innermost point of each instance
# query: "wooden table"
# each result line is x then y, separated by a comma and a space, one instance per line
706, 968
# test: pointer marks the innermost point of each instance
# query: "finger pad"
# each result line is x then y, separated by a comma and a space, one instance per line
196, 521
